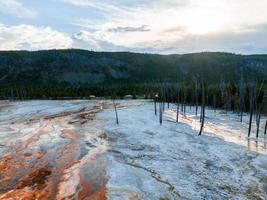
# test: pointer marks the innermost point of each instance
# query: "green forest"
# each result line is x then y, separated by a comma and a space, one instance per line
59, 74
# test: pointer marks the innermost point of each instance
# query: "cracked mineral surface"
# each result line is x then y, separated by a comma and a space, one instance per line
75, 150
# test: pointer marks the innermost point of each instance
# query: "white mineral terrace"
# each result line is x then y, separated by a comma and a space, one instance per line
75, 150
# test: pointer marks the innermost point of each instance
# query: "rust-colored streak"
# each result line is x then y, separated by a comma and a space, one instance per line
34, 180
33, 173
21, 194
27, 154
5, 163
71, 180
98, 195
85, 188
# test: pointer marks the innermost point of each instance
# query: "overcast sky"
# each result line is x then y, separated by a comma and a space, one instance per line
155, 26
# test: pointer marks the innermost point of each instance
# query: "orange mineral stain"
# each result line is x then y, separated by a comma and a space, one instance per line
28, 173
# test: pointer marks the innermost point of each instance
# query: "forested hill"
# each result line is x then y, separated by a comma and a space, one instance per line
80, 68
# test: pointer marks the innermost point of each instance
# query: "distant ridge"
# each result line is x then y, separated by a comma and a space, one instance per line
78, 68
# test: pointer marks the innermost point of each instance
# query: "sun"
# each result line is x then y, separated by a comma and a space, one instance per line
202, 22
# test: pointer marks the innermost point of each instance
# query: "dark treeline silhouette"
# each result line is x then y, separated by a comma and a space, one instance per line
223, 95
229, 96
246, 97
78, 73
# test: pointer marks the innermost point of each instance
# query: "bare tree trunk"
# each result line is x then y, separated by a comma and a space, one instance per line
258, 106
241, 115
160, 112
223, 89
250, 121
177, 107
214, 103
258, 112
12, 93
177, 112
17, 93
251, 111
241, 95
196, 96
184, 108
185, 101
258, 119
203, 110
155, 106
116, 113
265, 131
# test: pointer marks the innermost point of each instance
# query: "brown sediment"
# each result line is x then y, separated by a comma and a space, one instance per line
66, 157
63, 114
98, 195
27, 154
17, 164
71, 178
4, 163
39, 154
24, 173
87, 192
20, 194
103, 136
86, 116
14, 171
20, 180
42, 178
126, 193
36, 179
85, 188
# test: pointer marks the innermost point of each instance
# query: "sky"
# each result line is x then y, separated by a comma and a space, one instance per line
147, 26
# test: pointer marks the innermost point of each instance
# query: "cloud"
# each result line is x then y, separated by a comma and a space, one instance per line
143, 28
178, 29
164, 26
177, 24
240, 42
15, 8
107, 7
32, 37
87, 40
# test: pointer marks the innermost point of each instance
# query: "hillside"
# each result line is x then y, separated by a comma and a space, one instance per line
80, 68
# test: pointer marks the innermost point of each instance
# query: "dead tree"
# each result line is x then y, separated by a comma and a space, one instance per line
177, 107
202, 110
160, 112
177, 112
196, 96
185, 100
258, 119
214, 102
265, 131
168, 97
200, 117
251, 107
163, 97
226, 96
116, 113
241, 95
258, 106
155, 105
